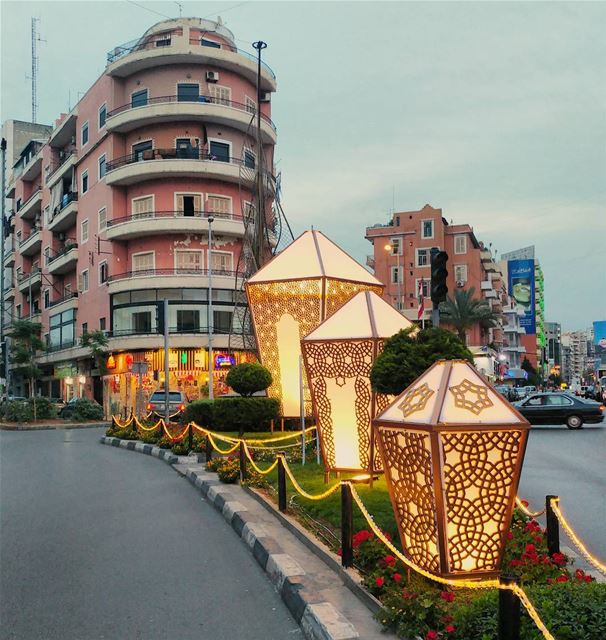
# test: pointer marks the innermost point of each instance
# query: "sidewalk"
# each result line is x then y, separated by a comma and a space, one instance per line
50, 424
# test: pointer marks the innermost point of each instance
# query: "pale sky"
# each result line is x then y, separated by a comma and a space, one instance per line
493, 111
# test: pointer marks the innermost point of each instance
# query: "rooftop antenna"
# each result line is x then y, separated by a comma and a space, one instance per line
34, 77
180, 8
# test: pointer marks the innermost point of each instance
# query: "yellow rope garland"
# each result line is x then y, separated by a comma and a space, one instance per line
216, 448
300, 489
273, 465
532, 514
174, 438
123, 425
575, 538
250, 441
140, 425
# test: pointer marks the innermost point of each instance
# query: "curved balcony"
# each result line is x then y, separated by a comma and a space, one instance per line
156, 223
30, 246
182, 340
178, 47
68, 301
170, 279
157, 164
179, 108
32, 206
64, 261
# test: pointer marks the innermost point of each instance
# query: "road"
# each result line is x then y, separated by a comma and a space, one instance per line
572, 465
102, 543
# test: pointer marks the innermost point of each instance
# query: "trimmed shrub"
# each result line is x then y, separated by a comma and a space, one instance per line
248, 378
229, 471
244, 414
85, 409
18, 411
44, 408
200, 412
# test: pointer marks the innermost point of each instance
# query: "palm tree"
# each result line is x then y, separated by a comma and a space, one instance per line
462, 311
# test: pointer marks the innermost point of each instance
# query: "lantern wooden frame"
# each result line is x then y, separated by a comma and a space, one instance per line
308, 281
452, 484
345, 359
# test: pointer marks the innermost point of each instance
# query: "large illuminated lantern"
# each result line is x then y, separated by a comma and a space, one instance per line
452, 450
338, 357
293, 294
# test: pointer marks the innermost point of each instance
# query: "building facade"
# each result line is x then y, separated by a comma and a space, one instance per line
401, 260
553, 348
580, 357
112, 213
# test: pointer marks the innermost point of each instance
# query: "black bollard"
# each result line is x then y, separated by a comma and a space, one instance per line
509, 610
209, 450
190, 438
346, 526
243, 473
553, 527
281, 485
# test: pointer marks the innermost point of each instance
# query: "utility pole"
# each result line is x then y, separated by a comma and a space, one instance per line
166, 370
34, 77
258, 247
2, 206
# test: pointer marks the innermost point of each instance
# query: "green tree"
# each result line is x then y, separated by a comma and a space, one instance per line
407, 355
462, 311
26, 343
533, 377
248, 378
96, 341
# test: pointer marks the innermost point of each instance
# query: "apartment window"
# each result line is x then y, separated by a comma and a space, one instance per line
143, 151
209, 43
102, 116
427, 229
83, 283
84, 231
249, 159
18, 311
102, 324
422, 257
395, 275
460, 245
424, 286
396, 246
460, 272
220, 151
46, 298
142, 321
218, 204
220, 94
188, 320
250, 105
103, 272
189, 204
102, 220
188, 260
102, 166
62, 329
143, 207
46, 255
85, 133
188, 92
144, 261
84, 328
222, 321
222, 261
139, 98
85, 182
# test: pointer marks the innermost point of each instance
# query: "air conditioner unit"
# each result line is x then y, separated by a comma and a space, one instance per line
460, 283
265, 96
212, 76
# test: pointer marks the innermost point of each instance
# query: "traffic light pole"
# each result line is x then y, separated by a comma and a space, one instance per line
438, 286
435, 317
4, 346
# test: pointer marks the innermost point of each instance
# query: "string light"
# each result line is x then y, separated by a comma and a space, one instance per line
216, 448
252, 441
143, 428
123, 425
300, 489
256, 468
524, 509
175, 438
554, 502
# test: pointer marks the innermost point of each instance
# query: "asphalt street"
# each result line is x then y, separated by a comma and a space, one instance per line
572, 465
102, 543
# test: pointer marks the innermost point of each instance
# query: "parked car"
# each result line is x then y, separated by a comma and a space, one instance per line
560, 408
508, 392
68, 408
177, 401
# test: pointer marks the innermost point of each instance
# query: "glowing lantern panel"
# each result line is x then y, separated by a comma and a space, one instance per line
452, 450
290, 296
338, 358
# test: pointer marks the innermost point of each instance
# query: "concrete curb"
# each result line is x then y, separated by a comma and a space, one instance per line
48, 427
318, 619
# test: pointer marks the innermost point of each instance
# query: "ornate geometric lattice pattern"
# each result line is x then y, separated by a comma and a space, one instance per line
338, 292
470, 396
479, 469
407, 457
268, 303
341, 361
415, 400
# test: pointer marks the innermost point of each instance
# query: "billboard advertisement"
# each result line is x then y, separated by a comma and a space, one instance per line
599, 337
521, 290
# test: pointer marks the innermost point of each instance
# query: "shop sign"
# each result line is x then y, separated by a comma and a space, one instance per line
224, 360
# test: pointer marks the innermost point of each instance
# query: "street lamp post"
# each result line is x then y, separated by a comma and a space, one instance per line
210, 309
389, 248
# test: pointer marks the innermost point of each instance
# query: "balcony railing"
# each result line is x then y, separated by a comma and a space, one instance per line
64, 298
63, 251
173, 154
33, 233
163, 40
196, 99
22, 205
70, 196
172, 272
119, 333
59, 163
172, 214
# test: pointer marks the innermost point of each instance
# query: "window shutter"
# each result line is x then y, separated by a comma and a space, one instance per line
180, 204
80, 282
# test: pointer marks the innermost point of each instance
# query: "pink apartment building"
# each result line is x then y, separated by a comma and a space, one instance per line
401, 260
111, 212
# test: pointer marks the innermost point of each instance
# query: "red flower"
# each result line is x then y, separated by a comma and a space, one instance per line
360, 537
529, 548
431, 635
379, 581
509, 535
389, 560
449, 596
515, 563
579, 574
397, 577
450, 628
588, 578
562, 578
524, 503
559, 559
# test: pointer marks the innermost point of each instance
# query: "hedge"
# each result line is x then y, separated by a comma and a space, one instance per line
233, 413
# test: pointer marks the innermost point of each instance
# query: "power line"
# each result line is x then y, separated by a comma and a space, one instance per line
148, 9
